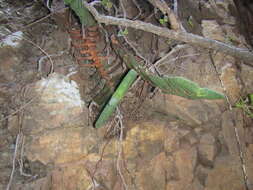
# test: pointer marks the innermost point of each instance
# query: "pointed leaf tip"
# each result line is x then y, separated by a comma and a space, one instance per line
206, 93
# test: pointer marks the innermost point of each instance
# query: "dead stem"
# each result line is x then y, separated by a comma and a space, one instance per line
126, 39
20, 161
119, 117
14, 160
25, 104
35, 22
240, 53
139, 10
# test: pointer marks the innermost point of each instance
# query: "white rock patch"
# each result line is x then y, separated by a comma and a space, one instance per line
59, 89
12, 39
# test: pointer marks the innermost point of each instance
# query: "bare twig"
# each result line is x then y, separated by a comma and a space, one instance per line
42, 50
25, 104
221, 82
159, 62
166, 56
123, 9
119, 117
41, 60
36, 22
18, 110
107, 42
14, 161
139, 9
21, 163
166, 70
94, 182
176, 7
240, 53
126, 39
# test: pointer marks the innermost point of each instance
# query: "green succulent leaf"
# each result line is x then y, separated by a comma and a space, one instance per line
178, 86
84, 15
116, 98
210, 94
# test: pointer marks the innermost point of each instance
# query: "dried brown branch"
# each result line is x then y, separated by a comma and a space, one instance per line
35, 22
128, 41
17, 144
240, 53
119, 117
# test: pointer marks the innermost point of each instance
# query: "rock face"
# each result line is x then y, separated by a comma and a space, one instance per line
59, 100
225, 65
247, 77
157, 154
228, 76
233, 133
193, 112
156, 171
150, 161
61, 145
186, 160
212, 29
207, 150
76, 159
59, 105
225, 175
171, 142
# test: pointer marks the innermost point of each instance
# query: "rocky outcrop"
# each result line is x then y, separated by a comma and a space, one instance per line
226, 174
207, 150
155, 154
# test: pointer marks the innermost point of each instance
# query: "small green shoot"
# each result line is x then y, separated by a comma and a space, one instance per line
107, 4
163, 20
123, 32
246, 105
190, 21
251, 99
230, 39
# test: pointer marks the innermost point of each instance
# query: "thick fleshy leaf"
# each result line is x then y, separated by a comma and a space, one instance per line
83, 14
178, 86
209, 94
116, 98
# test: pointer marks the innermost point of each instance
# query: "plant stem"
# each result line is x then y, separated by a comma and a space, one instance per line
116, 98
